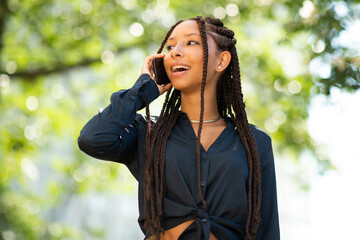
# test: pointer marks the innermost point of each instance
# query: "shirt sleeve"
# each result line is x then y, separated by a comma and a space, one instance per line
112, 133
269, 226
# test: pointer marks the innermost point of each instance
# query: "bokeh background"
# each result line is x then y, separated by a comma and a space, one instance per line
61, 60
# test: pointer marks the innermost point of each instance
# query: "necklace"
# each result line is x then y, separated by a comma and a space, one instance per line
206, 121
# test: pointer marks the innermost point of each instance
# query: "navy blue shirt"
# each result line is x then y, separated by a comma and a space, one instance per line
118, 134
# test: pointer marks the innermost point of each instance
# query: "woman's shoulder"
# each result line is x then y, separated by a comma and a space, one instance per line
262, 138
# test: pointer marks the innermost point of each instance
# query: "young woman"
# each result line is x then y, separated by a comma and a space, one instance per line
204, 172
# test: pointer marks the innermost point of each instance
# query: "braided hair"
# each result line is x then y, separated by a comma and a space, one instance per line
230, 103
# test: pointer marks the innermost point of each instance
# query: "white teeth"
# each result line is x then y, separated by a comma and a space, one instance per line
179, 67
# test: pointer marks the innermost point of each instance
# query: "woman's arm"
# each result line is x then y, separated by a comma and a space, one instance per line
112, 134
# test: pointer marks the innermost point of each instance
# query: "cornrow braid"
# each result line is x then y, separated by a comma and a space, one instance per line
214, 21
225, 31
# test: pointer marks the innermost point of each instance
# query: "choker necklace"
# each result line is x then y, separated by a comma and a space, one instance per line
206, 121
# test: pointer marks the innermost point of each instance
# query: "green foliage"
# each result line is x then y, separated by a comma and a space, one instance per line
61, 60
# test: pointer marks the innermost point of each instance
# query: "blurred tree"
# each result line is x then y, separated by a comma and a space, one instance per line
61, 60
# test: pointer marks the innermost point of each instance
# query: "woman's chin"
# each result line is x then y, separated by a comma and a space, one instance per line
186, 88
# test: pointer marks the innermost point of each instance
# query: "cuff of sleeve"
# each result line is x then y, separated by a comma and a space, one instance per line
149, 88
125, 103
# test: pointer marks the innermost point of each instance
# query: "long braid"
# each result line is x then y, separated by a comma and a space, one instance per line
230, 101
154, 165
256, 169
160, 152
202, 30
158, 138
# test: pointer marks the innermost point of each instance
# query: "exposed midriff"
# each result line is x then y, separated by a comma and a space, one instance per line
175, 232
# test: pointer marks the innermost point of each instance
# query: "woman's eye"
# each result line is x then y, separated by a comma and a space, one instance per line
192, 42
189, 43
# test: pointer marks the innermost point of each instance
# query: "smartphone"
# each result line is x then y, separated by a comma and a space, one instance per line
161, 77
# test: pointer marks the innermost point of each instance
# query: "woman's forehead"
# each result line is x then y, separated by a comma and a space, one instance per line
185, 29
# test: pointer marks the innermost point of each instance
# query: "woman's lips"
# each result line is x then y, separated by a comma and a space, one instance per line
179, 73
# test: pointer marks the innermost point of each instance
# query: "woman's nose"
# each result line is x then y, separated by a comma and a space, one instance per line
176, 52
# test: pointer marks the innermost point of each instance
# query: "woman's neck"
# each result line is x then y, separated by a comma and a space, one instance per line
191, 105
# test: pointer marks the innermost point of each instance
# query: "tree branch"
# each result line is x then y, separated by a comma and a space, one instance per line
33, 74
61, 67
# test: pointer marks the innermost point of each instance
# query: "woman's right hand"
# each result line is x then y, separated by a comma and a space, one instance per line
148, 68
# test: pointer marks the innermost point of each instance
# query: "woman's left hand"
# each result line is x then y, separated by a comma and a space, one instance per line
148, 68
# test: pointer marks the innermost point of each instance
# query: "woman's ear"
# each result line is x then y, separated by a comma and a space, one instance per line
224, 60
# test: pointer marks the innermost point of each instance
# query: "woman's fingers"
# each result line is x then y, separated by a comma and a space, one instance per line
147, 66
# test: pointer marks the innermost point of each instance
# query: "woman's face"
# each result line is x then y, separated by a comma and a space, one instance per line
184, 60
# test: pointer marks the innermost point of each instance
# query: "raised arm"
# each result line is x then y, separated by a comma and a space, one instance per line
113, 131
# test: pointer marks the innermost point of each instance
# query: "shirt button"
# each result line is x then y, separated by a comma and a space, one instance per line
205, 157
202, 183
204, 220
145, 80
